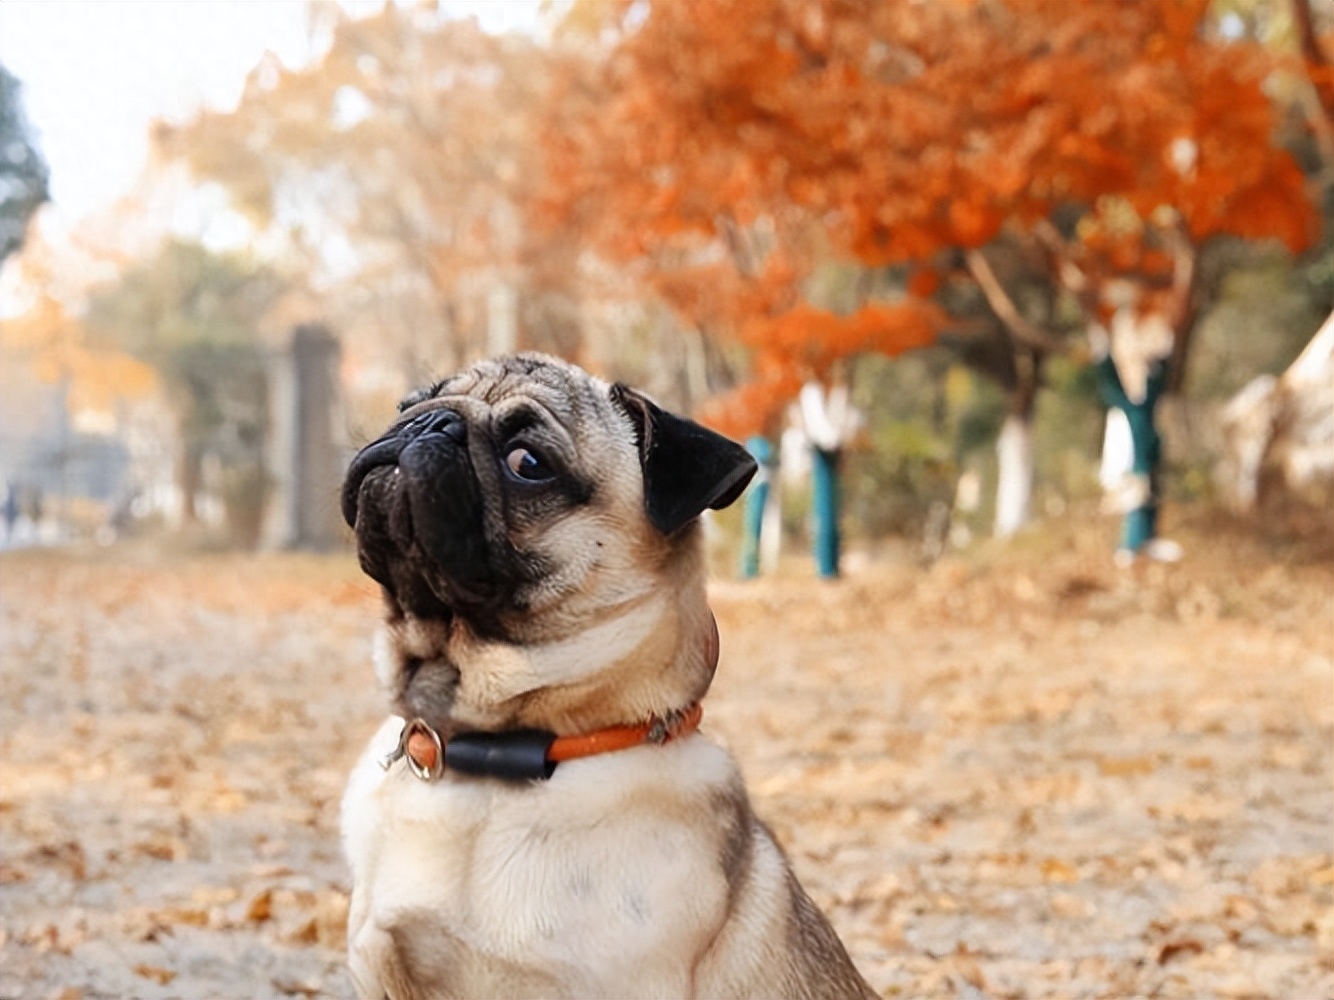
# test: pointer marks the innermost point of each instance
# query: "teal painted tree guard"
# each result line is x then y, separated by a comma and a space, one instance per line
824, 511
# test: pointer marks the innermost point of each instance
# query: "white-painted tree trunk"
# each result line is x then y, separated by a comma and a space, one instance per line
1118, 451
1287, 421
1014, 489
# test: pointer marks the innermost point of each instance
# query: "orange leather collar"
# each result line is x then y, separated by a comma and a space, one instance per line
532, 754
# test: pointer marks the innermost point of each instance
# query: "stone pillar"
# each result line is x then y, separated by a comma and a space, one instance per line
305, 460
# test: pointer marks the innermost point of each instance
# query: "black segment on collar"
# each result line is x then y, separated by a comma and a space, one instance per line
516, 755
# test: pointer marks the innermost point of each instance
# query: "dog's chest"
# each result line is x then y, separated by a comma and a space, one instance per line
602, 872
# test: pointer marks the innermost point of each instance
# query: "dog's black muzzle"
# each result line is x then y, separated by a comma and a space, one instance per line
413, 499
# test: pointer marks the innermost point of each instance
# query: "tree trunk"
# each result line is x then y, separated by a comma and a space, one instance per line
1014, 447
1014, 487
1141, 505
189, 476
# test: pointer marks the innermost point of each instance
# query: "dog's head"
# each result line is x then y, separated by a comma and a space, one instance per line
535, 533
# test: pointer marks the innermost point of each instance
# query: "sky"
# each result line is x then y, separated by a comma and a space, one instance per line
95, 73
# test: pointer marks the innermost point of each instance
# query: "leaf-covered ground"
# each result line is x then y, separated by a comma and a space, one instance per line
1023, 773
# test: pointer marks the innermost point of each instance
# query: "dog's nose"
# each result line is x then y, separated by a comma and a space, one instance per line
440, 422
388, 449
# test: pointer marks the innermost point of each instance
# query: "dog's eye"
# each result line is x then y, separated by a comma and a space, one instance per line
528, 465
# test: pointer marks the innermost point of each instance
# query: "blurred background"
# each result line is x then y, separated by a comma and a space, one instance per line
1024, 305
236, 235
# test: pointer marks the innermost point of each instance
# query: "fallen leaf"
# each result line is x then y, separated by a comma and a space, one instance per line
331, 920
156, 973
68, 854
303, 987
261, 907
306, 933
42, 938
300, 899
1178, 948
966, 965
210, 895
1055, 870
227, 800
189, 916
1240, 908
1125, 767
1068, 906
272, 848
163, 849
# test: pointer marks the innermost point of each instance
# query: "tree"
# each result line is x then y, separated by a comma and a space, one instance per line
396, 168
651, 163
194, 317
659, 158
49, 335
23, 174
1103, 143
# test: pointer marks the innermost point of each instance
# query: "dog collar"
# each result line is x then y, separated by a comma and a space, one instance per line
532, 754
526, 754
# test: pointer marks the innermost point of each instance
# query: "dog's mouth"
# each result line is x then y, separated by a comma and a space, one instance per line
381, 454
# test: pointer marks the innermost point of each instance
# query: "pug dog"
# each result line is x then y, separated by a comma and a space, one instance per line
540, 816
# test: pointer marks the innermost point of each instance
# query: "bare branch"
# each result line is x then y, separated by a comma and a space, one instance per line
1003, 306
1070, 274
738, 245
1317, 101
1306, 40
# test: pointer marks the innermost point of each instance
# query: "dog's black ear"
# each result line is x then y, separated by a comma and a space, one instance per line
686, 467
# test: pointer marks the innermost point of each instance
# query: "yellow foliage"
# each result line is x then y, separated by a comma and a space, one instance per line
54, 345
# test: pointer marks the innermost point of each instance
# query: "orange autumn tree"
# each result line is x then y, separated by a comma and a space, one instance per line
651, 164
1103, 141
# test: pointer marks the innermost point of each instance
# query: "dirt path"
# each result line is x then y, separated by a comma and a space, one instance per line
1025, 775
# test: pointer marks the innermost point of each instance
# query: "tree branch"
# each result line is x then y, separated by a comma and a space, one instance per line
1071, 276
738, 245
1306, 40
1318, 101
1003, 306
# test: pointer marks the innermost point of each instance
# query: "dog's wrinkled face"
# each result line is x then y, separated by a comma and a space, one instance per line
521, 505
